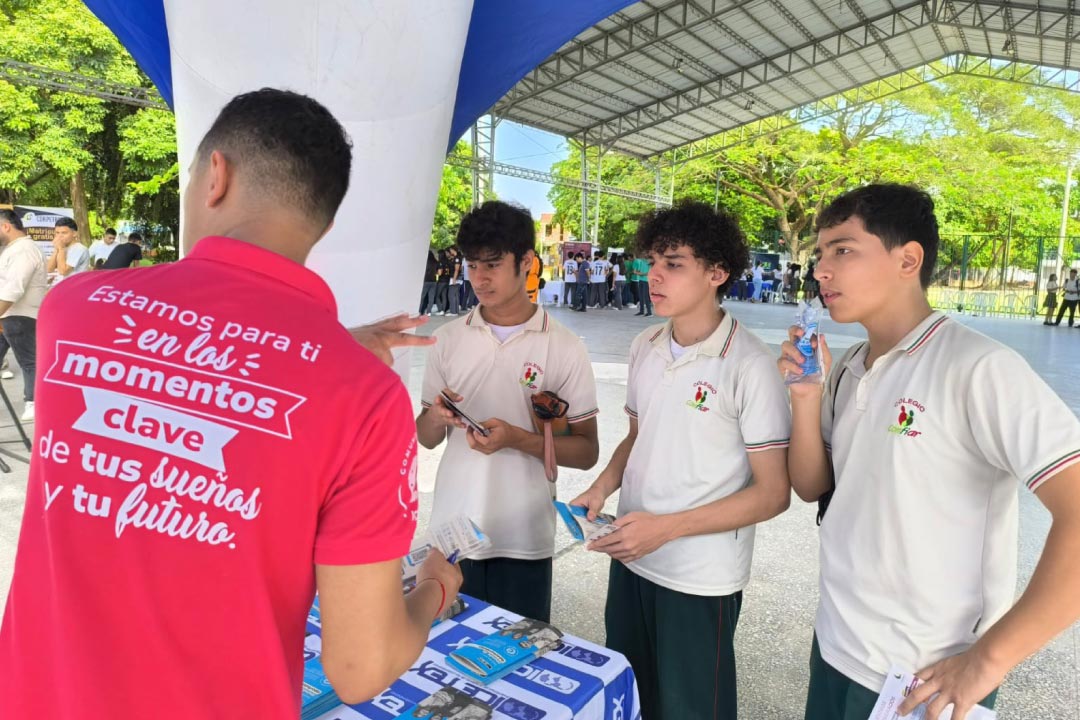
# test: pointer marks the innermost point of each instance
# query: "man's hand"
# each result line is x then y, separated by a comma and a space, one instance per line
435, 567
444, 416
791, 361
961, 681
501, 435
639, 534
381, 337
592, 500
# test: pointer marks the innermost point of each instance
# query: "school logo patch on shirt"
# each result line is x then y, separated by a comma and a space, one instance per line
530, 372
702, 391
908, 410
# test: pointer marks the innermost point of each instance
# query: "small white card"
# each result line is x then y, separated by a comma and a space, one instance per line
900, 684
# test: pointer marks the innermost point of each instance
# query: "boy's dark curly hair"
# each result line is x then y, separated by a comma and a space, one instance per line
496, 228
713, 236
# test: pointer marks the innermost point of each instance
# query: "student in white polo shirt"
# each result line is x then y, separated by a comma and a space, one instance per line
491, 362
921, 435
598, 281
569, 280
704, 460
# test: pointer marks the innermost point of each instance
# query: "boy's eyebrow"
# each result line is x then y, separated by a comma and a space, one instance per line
674, 255
834, 241
837, 240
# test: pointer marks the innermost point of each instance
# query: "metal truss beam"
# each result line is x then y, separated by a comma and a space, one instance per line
972, 65
483, 147
829, 48
1013, 20
546, 177
20, 73
626, 37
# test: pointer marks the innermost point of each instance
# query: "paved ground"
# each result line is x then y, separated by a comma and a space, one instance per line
773, 639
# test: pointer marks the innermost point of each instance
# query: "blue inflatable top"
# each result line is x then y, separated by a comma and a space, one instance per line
506, 40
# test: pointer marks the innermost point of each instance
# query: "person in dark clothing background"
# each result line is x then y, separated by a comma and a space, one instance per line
125, 254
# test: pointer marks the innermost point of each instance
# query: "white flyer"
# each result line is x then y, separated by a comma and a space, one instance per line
900, 684
457, 539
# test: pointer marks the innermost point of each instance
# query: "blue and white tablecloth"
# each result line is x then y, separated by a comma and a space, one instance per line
580, 680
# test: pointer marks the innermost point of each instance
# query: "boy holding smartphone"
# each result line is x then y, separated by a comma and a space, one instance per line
490, 363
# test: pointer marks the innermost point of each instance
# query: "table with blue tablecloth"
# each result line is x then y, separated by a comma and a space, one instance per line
580, 680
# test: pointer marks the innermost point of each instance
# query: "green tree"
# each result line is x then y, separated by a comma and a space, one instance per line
455, 199
61, 148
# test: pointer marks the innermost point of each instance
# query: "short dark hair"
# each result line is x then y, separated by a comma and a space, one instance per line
712, 235
12, 218
68, 223
898, 214
110, 231
494, 229
287, 143
135, 237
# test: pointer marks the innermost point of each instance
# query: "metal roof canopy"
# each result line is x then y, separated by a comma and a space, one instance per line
659, 76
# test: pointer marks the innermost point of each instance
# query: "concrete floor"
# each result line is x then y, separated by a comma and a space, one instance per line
773, 639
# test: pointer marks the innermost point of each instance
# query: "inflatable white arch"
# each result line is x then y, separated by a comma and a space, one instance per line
405, 78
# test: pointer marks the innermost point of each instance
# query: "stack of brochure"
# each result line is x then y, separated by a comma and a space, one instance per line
501, 653
318, 696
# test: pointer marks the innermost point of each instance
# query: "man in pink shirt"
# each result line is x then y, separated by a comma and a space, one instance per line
212, 446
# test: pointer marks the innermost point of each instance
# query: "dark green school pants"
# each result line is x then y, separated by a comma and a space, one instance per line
681, 647
521, 586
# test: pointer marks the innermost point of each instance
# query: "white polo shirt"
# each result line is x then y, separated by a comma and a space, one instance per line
506, 493
99, 250
599, 270
570, 271
919, 544
698, 417
23, 280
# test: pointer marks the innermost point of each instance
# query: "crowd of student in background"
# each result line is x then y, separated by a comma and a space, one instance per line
446, 290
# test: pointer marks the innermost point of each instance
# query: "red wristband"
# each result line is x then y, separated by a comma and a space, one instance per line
442, 588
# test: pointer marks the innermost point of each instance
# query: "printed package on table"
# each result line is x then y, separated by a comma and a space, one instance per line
501, 653
449, 704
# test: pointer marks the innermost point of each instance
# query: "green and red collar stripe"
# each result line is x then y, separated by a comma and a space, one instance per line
543, 326
730, 337
922, 339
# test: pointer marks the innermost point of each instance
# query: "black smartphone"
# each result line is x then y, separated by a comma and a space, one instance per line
477, 427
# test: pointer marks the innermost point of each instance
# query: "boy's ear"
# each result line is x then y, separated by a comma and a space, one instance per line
718, 276
911, 259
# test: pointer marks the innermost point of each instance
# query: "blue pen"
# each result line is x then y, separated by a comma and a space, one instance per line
453, 557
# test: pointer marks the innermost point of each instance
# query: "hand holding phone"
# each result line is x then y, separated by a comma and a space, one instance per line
458, 412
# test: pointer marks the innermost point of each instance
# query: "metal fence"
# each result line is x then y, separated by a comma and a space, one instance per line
1003, 275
